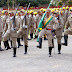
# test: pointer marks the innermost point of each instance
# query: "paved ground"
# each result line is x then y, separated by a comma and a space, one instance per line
37, 60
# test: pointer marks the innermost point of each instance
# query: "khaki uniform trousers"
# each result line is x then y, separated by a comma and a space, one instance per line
49, 36
25, 36
19, 33
67, 31
8, 35
0, 36
59, 40
31, 29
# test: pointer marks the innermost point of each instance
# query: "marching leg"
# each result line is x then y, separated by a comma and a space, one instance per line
50, 50
18, 40
59, 48
25, 49
14, 52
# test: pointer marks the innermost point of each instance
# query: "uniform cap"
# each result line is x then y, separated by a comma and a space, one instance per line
35, 12
67, 7
63, 7
44, 10
31, 11
41, 9
61, 11
52, 10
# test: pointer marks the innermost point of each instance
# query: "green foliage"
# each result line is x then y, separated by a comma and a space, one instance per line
70, 2
3, 3
60, 3
25, 2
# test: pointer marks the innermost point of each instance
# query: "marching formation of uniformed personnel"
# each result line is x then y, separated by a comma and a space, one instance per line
55, 21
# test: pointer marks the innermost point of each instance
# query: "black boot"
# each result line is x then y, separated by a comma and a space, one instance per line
65, 40
53, 43
22, 38
14, 52
59, 48
50, 50
1, 48
45, 38
7, 45
25, 49
18, 40
11, 44
36, 36
40, 43
31, 35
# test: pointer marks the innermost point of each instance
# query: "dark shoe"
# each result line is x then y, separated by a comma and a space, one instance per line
50, 56
1, 49
20, 45
39, 47
59, 53
45, 38
64, 44
36, 36
28, 39
7, 49
14, 52
25, 53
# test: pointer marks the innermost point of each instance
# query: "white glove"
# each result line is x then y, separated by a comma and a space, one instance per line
25, 26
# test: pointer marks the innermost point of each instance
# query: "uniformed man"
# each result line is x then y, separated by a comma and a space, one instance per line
1, 29
10, 31
31, 24
28, 23
5, 17
59, 30
47, 30
23, 30
68, 31
64, 15
35, 14
37, 20
18, 20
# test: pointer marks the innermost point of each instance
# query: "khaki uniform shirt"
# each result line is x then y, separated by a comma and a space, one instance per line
69, 22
